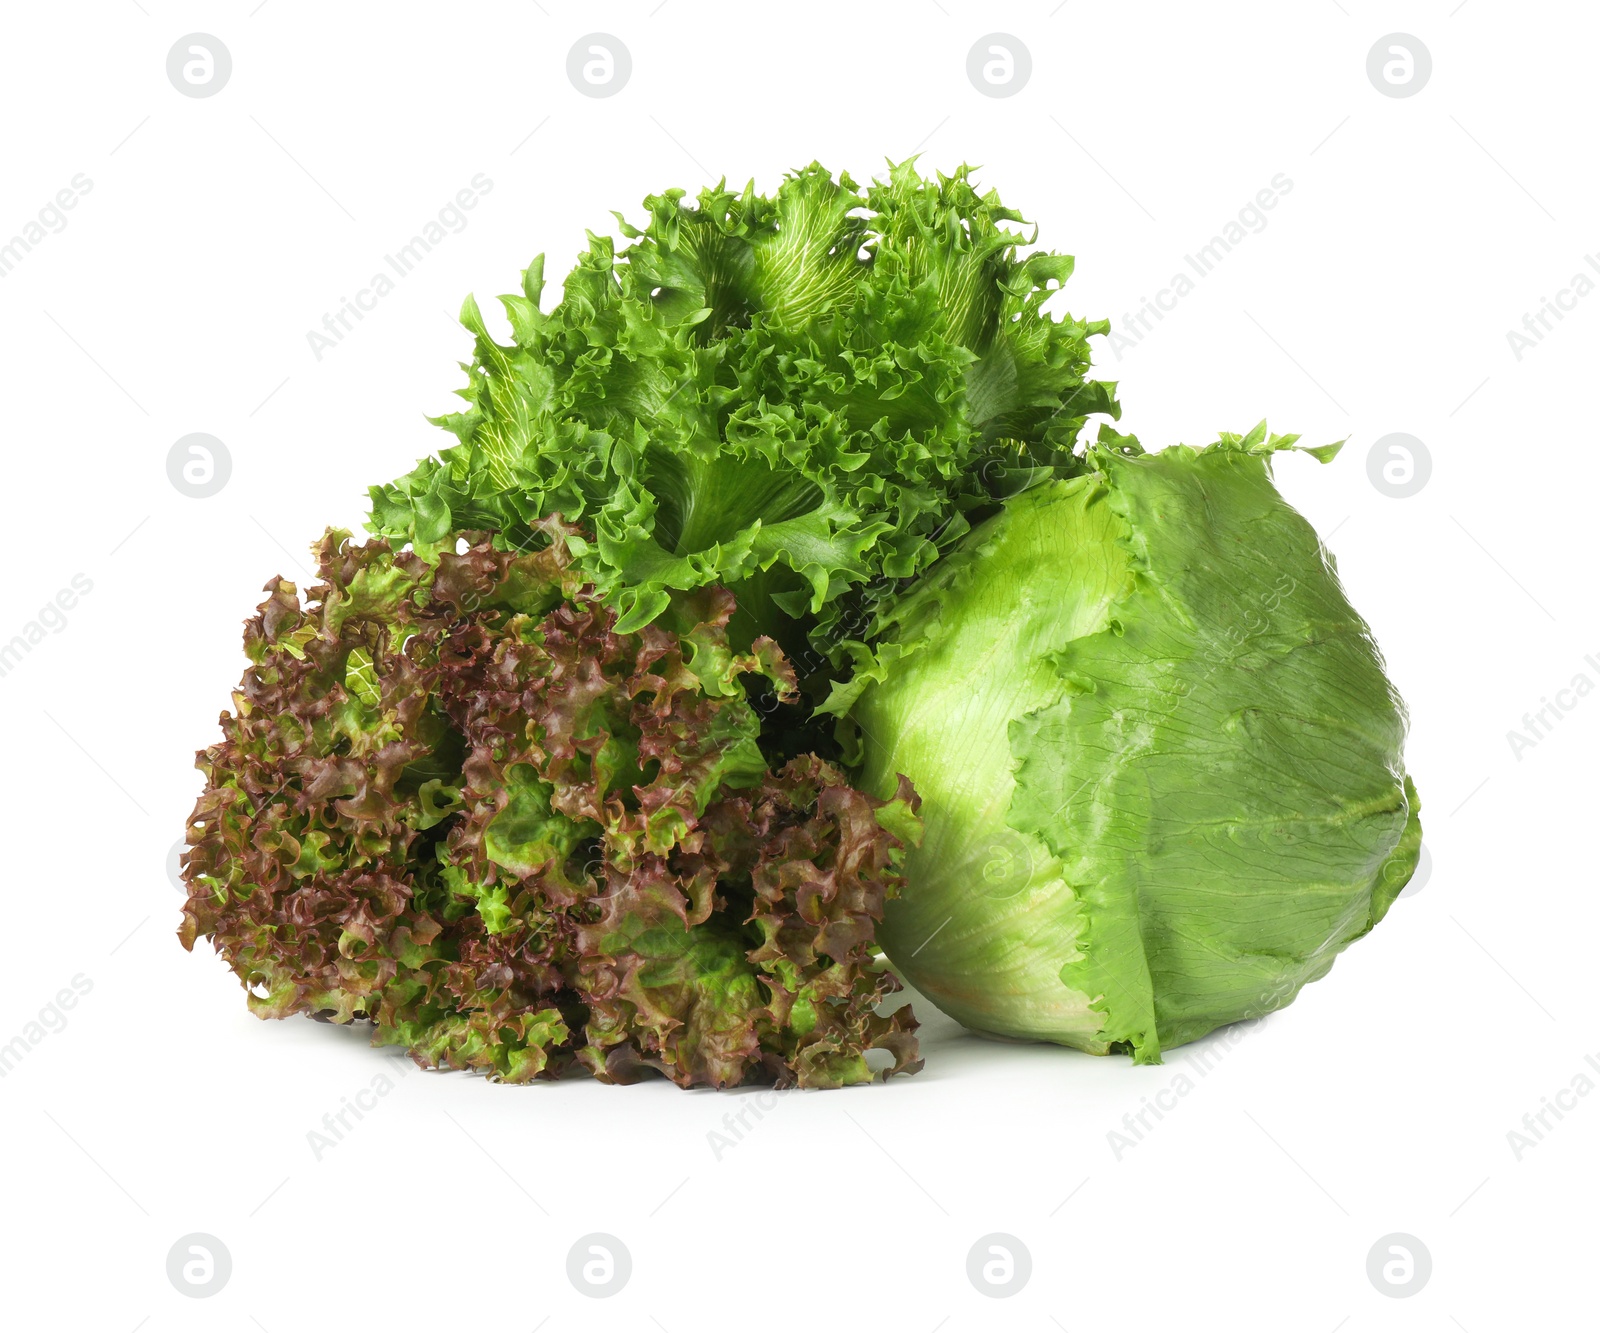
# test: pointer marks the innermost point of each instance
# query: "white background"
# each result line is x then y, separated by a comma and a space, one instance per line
177, 299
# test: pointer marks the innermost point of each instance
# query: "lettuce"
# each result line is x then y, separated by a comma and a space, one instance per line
1159, 759
802, 398
606, 752
454, 802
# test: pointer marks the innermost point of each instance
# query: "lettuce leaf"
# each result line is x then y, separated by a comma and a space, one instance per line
802, 398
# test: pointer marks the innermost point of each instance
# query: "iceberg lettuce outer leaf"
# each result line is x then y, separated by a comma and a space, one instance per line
1198, 800
989, 919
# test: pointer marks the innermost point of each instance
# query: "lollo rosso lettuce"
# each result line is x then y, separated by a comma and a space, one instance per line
454, 801
1159, 758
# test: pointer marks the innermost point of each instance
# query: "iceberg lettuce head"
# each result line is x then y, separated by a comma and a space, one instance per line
1159, 758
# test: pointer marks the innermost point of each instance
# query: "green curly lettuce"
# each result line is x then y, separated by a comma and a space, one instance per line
804, 398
